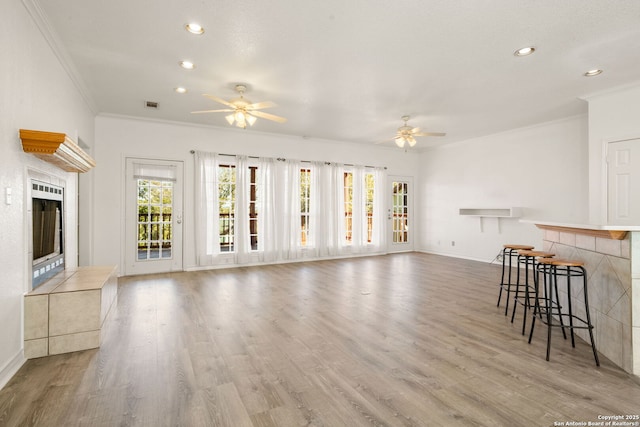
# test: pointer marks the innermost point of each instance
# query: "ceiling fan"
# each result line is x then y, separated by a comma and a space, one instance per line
406, 134
242, 111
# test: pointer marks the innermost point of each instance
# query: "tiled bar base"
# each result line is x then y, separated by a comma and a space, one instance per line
608, 264
67, 313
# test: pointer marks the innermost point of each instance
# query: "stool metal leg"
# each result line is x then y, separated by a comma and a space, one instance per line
589, 324
553, 279
573, 340
526, 303
537, 310
505, 253
517, 292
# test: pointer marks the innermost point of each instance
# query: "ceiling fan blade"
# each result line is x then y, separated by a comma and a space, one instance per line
226, 110
382, 142
430, 134
260, 105
220, 100
415, 130
268, 116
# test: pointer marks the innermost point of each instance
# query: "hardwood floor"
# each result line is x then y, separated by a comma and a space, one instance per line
398, 340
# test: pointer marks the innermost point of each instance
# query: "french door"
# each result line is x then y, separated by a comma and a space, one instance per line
153, 216
400, 214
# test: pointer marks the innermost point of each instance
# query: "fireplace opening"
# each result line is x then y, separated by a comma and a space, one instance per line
47, 231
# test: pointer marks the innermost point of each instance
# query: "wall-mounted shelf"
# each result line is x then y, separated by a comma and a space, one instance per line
492, 212
57, 149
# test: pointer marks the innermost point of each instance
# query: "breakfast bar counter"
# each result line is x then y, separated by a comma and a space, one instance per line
611, 254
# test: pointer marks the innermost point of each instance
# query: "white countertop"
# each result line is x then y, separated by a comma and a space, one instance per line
583, 226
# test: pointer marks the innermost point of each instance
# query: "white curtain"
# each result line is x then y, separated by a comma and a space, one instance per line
359, 220
279, 211
329, 211
154, 172
379, 230
315, 240
266, 206
287, 181
241, 235
207, 218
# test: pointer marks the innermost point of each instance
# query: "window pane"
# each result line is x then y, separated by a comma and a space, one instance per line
305, 194
369, 186
348, 207
400, 212
155, 206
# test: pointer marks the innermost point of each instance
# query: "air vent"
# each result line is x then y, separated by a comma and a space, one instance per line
151, 104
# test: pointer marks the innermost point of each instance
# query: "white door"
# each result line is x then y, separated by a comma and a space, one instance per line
153, 216
623, 182
400, 214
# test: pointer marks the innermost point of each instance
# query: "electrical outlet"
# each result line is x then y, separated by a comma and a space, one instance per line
453, 243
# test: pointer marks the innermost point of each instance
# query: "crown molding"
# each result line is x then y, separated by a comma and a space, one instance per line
40, 19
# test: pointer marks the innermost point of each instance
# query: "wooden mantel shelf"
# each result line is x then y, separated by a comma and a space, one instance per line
57, 149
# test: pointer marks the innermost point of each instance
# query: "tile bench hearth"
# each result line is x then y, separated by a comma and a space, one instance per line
66, 313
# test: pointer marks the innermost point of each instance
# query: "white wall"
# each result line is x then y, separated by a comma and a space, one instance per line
613, 116
36, 94
121, 137
542, 169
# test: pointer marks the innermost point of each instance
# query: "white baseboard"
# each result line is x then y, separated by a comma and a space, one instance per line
455, 256
11, 367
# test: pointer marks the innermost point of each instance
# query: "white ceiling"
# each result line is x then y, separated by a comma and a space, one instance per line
348, 70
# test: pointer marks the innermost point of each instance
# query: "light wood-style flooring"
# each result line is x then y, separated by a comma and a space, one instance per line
398, 340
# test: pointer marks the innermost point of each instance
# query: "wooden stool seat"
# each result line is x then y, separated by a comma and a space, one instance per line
519, 247
567, 263
539, 254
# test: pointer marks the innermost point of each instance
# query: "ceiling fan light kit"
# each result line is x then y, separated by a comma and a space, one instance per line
406, 134
242, 110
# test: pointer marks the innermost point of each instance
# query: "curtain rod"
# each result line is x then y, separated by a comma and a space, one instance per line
282, 159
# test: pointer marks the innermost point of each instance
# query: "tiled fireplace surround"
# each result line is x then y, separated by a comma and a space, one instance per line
609, 264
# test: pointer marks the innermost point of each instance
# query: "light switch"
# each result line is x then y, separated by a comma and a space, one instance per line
8, 192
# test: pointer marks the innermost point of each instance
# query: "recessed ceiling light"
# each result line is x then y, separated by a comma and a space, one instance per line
188, 65
525, 51
194, 28
181, 89
592, 73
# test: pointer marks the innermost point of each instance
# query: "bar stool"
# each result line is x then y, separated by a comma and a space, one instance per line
569, 269
509, 251
543, 267
526, 295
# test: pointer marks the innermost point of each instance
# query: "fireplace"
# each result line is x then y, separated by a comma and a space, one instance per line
47, 211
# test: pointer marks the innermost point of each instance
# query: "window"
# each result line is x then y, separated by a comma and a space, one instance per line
226, 206
305, 204
253, 209
349, 220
